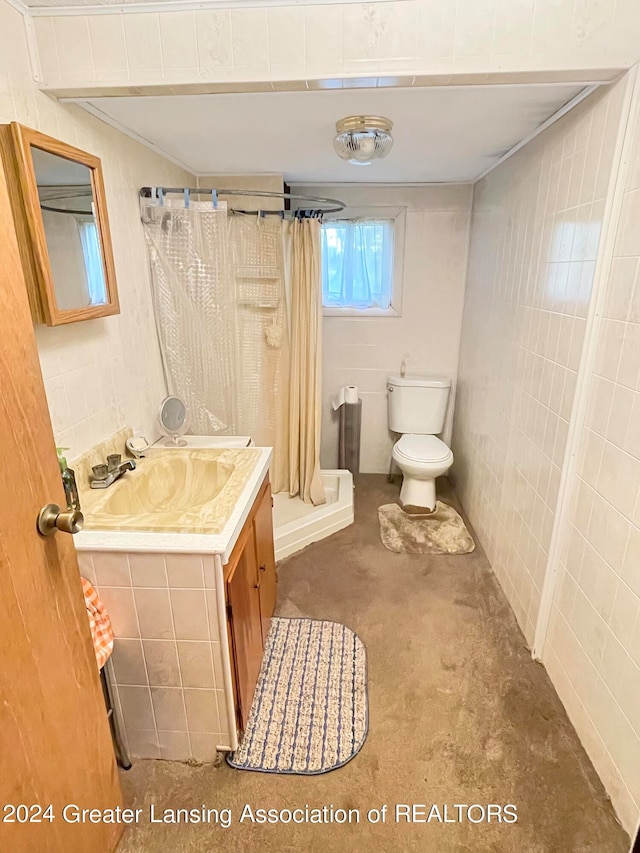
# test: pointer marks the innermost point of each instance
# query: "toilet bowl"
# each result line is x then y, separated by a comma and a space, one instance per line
417, 407
421, 458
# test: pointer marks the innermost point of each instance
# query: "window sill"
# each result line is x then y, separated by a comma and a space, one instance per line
360, 312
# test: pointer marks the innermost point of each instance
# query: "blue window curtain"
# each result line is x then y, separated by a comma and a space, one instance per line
93, 262
357, 263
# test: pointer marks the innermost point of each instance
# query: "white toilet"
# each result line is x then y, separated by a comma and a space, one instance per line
417, 406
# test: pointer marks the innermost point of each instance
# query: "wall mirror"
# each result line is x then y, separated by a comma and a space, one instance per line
60, 213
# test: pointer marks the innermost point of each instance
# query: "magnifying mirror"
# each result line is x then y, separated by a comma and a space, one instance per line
173, 417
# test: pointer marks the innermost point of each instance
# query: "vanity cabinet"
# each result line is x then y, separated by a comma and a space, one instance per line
250, 588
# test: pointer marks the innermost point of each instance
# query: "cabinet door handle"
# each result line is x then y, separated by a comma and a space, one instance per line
256, 586
263, 568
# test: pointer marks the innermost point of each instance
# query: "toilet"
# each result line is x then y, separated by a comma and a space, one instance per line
417, 406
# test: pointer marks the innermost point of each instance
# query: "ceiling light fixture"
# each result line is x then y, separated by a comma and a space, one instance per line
363, 139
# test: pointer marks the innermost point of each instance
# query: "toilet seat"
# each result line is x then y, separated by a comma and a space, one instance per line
422, 448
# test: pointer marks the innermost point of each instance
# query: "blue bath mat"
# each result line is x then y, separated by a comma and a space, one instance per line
310, 708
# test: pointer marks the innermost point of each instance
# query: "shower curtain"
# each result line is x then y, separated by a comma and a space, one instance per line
262, 364
220, 286
302, 248
194, 308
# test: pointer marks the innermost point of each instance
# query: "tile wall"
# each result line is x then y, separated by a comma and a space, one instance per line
593, 645
335, 40
534, 238
167, 662
363, 351
100, 375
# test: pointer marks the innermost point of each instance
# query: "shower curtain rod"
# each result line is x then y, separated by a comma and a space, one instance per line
336, 204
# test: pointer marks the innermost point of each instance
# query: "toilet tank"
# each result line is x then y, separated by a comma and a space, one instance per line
417, 404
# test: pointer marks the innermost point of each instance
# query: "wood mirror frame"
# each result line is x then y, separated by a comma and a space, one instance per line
15, 146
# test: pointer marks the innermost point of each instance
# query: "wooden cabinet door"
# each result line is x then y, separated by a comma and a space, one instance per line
55, 745
263, 527
243, 594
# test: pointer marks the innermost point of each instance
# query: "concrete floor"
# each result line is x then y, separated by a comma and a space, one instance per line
459, 713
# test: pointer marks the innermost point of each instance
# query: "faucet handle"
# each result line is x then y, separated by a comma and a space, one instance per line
113, 461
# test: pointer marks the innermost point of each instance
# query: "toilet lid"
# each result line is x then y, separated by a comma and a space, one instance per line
423, 448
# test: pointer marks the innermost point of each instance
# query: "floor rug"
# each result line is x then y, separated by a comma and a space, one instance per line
310, 708
442, 532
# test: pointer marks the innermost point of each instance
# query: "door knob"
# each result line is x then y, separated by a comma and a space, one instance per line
51, 519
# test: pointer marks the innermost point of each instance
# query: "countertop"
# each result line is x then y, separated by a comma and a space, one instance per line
186, 543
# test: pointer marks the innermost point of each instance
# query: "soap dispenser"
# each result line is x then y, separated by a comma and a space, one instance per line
68, 481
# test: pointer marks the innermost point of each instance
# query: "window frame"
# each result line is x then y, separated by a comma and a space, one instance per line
398, 215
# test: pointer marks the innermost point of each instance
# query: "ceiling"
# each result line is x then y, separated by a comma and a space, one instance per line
446, 134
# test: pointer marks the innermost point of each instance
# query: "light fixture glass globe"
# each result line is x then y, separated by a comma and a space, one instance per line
363, 139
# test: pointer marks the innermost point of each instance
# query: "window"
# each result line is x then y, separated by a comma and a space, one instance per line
360, 269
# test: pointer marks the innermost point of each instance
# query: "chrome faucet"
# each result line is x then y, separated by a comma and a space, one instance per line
106, 474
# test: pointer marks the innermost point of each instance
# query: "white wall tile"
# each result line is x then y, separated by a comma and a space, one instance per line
106, 33
178, 37
74, 48
522, 341
250, 38
175, 746
142, 37
121, 608
189, 614
161, 660
47, 46
154, 614
287, 41
119, 354
185, 570
111, 569
148, 570
523, 337
196, 664
143, 743
168, 708
136, 706
128, 662
213, 34
323, 39
167, 686
418, 36
202, 710
606, 628
203, 745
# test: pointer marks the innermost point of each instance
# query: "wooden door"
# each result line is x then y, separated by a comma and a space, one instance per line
55, 746
243, 595
263, 526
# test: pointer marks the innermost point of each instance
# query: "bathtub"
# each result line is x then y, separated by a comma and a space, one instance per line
297, 524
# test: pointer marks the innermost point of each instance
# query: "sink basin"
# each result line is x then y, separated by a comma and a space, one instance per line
170, 485
191, 491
